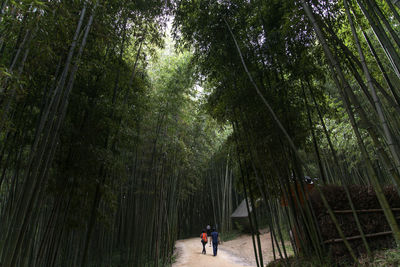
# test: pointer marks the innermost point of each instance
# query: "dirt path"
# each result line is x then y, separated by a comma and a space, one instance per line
189, 255
236, 253
242, 247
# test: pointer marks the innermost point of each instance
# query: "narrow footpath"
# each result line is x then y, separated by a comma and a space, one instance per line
188, 253
237, 252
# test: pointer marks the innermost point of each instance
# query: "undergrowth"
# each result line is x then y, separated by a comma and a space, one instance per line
382, 258
230, 235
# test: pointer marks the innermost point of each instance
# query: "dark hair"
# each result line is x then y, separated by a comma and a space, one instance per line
214, 229
203, 230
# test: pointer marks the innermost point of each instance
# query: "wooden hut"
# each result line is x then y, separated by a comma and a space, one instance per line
240, 217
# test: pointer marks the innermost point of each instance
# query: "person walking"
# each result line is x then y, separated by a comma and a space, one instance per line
203, 237
208, 228
215, 240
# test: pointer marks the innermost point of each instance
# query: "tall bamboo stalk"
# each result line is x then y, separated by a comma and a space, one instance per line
383, 39
335, 67
384, 73
386, 129
23, 213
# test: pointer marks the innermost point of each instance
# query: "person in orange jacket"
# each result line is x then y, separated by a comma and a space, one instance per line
203, 237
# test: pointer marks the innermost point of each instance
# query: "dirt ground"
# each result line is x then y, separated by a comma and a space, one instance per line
242, 247
235, 253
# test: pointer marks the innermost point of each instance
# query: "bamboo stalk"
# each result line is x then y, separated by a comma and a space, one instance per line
335, 66
384, 41
310, 225
378, 105
380, 65
246, 198
341, 174
373, 6
22, 213
392, 8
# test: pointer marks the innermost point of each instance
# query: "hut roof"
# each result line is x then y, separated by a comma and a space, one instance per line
241, 210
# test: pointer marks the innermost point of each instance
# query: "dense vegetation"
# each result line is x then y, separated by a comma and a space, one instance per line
310, 88
114, 143
102, 135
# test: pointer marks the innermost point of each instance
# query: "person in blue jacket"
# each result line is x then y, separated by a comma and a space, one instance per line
214, 236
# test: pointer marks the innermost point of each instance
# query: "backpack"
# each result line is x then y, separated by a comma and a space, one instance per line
204, 237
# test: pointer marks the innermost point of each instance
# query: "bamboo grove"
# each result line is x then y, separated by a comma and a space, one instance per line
113, 143
310, 88
100, 140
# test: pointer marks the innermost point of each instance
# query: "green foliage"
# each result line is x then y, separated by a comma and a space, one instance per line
390, 257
